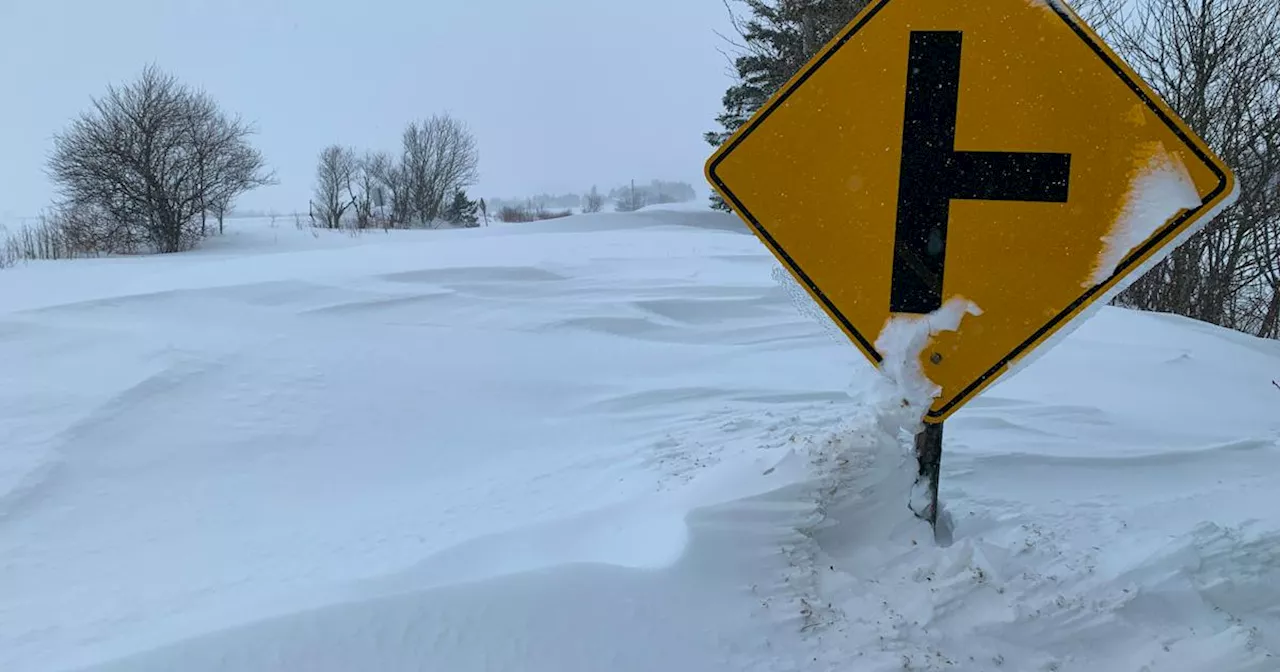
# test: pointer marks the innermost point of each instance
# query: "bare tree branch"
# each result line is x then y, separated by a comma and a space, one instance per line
1217, 63
151, 157
335, 182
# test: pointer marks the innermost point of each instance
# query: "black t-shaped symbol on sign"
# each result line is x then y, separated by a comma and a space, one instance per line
933, 173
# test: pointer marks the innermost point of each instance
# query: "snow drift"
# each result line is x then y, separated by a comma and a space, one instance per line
606, 442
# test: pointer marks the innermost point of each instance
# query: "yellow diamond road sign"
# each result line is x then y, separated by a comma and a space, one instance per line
994, 152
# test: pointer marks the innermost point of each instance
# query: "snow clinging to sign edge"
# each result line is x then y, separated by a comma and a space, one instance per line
903, 340
1158, 193
1043, 4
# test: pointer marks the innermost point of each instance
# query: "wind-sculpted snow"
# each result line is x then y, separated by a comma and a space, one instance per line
602, 443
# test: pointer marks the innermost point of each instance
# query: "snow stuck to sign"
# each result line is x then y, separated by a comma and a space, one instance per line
607, 442
1161, 190
902, 342
1048, 5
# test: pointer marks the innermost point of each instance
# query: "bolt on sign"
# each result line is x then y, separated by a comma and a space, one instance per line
994, 152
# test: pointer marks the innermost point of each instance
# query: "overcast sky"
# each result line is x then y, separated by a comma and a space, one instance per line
560, 94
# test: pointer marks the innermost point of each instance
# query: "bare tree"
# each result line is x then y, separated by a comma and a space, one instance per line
233, 170
439, 158
593, 201
153, 156
389, 176
366, 191
225, 166
1268, 308
335, 185
1217, 63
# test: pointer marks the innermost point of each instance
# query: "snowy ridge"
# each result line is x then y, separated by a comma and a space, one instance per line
607, 442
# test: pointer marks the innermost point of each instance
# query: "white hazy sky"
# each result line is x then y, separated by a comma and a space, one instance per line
560, 94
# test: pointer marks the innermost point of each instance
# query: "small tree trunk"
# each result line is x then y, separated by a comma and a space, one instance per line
809, 32
1271, 321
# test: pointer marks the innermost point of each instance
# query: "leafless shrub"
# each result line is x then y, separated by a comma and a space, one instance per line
87, 229
530, 212
391, 189
154, 157
512, 214
552, 214
369, 197
30, 242
68, 232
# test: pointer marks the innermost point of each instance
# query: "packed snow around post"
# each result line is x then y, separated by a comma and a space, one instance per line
605, 442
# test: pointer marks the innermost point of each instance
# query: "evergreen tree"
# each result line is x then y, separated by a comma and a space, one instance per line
778, 38
462, 211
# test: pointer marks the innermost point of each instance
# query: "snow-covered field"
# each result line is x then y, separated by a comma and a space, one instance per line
604, 443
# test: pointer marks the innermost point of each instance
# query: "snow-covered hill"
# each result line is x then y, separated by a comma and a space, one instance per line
609, 442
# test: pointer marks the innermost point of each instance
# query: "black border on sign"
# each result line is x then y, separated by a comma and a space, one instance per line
1161, 236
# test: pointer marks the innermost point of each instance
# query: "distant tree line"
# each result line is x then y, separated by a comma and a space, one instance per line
424, 186
632, 197
625, 198
558, 201
1216, 62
